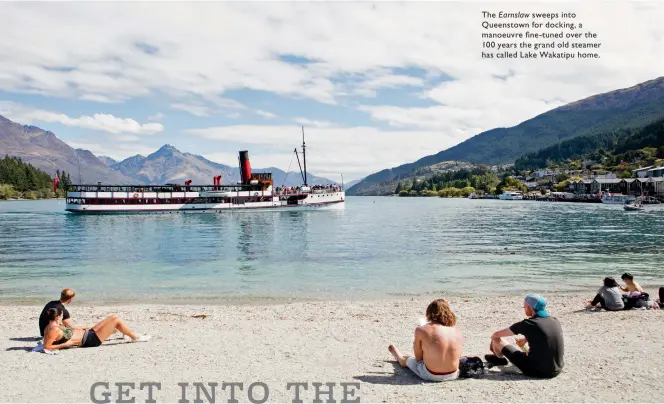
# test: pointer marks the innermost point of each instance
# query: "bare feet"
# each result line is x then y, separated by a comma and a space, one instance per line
397, 355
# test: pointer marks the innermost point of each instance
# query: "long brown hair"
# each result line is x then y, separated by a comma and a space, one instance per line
439, 312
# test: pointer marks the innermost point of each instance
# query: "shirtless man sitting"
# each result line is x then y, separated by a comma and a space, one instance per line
630, 285
438, 346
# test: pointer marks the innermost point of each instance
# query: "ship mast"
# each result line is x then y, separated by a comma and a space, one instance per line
304, 157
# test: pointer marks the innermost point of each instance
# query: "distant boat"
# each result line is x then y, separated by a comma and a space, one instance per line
472, 196
511, 196
632, 206
635, 206
617, 199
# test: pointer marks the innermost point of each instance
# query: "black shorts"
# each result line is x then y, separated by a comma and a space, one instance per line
520, 360
90, 339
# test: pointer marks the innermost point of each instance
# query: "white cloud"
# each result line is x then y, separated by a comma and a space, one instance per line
198, 110
353, 151
354, 49
102, 122
266, 114
369, 87
99, 98
312, 122
158, 117
340, 37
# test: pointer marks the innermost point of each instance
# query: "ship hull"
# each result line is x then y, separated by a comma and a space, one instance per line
338, 204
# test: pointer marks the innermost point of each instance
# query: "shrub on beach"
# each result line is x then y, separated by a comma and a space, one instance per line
7, 191
466, 191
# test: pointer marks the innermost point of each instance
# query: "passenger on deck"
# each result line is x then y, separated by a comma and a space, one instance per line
438, 346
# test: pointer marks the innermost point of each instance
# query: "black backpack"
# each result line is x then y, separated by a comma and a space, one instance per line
471, 366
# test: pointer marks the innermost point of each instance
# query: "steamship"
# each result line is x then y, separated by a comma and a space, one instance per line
255, 191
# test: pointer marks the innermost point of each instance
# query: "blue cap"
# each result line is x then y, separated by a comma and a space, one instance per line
537, 303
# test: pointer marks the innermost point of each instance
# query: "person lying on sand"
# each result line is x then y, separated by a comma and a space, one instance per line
542, 333
58, 336
630, 285
438, 345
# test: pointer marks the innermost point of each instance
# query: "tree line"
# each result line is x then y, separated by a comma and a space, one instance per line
460, 183
21, 180
616, 143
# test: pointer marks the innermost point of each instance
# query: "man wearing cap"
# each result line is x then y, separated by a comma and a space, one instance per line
544, 335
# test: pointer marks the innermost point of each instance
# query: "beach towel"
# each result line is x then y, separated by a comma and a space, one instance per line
40, 348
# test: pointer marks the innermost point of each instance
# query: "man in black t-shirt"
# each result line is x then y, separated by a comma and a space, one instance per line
544, 335
66, 297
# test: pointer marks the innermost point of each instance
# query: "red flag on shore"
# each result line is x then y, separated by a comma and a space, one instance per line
55, 184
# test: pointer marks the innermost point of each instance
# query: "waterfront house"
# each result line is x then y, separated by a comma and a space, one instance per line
581, 186
633, 186
605, 176
655, 172
612, 185
654, 186
641, 172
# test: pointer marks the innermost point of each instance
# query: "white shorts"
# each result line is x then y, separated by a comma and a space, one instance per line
421, 370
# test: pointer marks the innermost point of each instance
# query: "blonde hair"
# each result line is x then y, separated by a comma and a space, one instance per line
439, 312
67, 294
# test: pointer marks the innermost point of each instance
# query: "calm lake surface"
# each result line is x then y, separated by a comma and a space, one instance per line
376, 248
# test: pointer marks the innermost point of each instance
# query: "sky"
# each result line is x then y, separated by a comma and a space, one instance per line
375, 85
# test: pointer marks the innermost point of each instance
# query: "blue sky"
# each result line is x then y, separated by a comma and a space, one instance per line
374, 85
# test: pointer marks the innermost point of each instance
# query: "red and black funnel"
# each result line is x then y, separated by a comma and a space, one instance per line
245, 167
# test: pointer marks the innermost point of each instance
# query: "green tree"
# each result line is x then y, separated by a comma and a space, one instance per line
510, 183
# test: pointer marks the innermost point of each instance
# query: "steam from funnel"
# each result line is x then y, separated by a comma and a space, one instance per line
245, 167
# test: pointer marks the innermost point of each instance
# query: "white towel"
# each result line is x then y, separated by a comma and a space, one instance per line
40, 348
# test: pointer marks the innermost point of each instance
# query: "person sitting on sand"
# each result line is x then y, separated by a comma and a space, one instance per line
630, 285
438, 345
58, 336
608, 296
66, 297
542, 333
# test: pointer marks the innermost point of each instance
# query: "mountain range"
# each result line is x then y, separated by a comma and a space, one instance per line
170, 165
44, 150
620, 109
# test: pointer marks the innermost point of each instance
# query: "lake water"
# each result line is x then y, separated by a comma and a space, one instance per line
375, 248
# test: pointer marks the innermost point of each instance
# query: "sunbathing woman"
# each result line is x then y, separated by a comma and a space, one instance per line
58, 336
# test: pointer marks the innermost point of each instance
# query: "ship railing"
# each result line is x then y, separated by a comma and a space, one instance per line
312, 191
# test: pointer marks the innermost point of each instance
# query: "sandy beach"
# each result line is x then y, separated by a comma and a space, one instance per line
610, 356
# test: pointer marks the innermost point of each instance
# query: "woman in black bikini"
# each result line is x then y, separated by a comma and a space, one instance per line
58, 336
